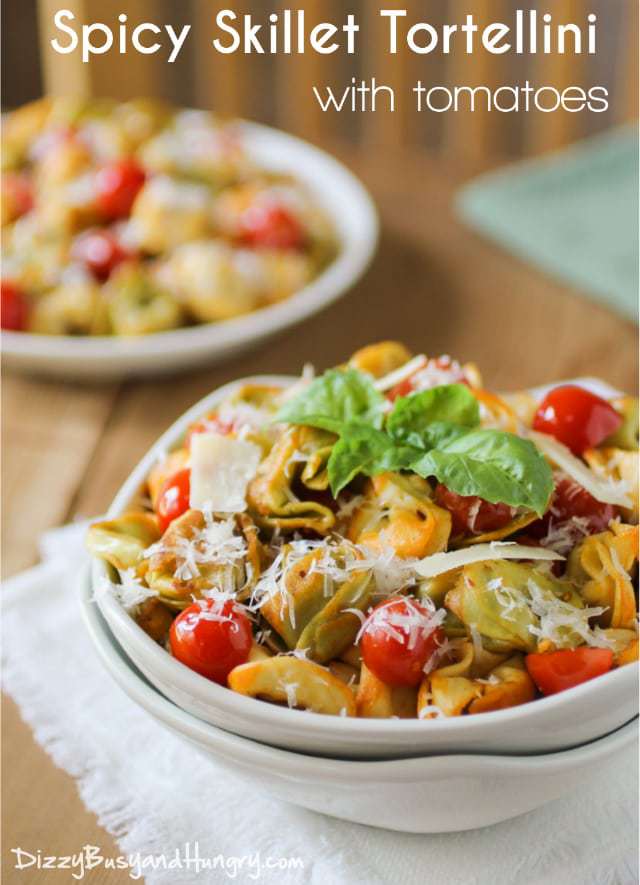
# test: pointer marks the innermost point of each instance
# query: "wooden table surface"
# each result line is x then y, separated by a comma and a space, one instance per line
434, 284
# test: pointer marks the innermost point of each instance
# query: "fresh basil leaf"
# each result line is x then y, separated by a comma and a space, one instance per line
497, 466
427, 419
333, 400
364, 449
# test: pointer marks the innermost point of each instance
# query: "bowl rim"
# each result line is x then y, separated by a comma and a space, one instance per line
236, 748
353, 258
234, 704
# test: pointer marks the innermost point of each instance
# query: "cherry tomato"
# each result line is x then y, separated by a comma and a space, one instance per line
398, 640
17, 193
100, 251
559, 670
470, 514
15, 309
173, 499
117, 185
211, 637
271, 226
576, 417
569, 501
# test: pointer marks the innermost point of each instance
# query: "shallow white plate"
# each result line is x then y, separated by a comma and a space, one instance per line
354, 217
564, 720
428, 795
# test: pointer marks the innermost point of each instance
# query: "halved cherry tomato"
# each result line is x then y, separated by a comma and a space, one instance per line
576, 417
470, 514
559, 670
100, 251
17, 194
398, 640
14, 310
211, 637
570, 500
173, 499
271, 226
117, 186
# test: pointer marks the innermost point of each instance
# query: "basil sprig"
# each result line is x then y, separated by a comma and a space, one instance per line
434, 433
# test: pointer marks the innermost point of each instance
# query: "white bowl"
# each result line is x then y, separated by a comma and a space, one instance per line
558, 722
428, 795
354, 217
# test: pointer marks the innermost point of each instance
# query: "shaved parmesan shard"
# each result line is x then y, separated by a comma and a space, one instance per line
602, 490
439, 563
221, 468
401, 374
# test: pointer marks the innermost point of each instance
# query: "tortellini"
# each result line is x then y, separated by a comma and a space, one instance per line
295, 682
122, 541
72, 309
505, 601
398, 513
455, 689
196, 554
601, 565
377, 700
313, 610
272, 494
380, 359
138, 305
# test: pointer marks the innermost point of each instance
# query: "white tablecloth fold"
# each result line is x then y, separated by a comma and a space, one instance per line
159, 797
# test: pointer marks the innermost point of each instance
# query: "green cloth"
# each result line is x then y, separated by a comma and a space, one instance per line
574, 213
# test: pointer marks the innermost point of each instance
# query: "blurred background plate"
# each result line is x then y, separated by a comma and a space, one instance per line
351, 211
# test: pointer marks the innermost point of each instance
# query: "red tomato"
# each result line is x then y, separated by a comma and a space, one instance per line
576, 417
17, 193
173, 499
271, 226
470, 514
15, 310
564, 669
569, 501
117, 185
399, 638
212, 637
100, 251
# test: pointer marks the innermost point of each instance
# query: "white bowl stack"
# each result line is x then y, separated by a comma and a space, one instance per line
443, 775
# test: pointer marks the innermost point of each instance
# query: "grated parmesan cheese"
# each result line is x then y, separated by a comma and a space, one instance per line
556, 616
130, 592
215, 544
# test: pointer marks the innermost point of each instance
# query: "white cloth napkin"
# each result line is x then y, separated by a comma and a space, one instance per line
158, 796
